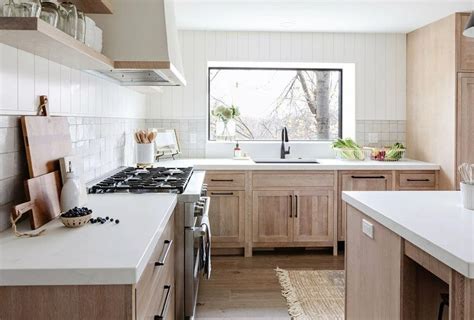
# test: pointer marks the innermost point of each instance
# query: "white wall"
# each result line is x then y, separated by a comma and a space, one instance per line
24, 77
379, 58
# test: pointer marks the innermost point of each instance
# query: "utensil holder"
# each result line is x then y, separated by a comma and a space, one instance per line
145, 154
467, 193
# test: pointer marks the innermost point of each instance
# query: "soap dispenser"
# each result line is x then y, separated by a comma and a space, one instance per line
237, 151
71, 192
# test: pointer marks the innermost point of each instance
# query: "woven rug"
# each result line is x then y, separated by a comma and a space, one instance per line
313, 294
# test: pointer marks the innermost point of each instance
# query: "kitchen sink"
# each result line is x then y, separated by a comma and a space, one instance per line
287, 161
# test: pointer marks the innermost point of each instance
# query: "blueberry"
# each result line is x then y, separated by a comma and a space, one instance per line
107, 218
111, 220
102, 221
117, 221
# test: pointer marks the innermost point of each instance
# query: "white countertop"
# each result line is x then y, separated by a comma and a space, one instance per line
434, 221
94, 254
324, 164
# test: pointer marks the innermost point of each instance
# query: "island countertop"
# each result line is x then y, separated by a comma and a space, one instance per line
93, 254
434, 221
324, 164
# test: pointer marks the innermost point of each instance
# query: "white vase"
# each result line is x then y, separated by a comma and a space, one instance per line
71, 195
467, 193
225, 130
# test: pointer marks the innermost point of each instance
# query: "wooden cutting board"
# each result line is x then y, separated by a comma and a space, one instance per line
46, 140
43, 193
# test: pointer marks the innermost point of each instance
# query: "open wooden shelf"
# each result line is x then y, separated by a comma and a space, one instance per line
38, 37
94, 6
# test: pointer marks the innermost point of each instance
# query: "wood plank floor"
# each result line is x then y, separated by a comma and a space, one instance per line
247, 288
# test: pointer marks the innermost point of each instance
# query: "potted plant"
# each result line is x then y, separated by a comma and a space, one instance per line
225, 124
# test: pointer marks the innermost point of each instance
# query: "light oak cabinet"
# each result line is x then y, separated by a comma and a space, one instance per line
293, 217
465, 117
440, 96
360, 181
227, 217
272, 216
314, 216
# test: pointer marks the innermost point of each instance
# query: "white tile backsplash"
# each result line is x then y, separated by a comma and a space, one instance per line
102, 117
388, 132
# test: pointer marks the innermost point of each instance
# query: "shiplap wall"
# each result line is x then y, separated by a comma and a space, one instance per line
380, 67
24, 76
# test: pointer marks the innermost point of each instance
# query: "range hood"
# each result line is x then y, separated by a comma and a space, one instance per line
142, 39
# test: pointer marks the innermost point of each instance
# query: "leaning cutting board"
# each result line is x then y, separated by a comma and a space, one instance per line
43, 194
47, 139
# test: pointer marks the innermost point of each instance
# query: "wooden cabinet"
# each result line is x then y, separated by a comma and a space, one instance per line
314, 216
155, 292
360, 181
440, 96
465, 119
293, 217
373, 270
416, 180
227, 217
272, 216
226, 180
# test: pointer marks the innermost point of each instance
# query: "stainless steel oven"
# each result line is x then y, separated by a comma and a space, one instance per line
197, 255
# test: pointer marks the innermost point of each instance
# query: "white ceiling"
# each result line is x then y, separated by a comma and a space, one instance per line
314, 15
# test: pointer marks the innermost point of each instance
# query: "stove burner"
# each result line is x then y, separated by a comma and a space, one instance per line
145, 180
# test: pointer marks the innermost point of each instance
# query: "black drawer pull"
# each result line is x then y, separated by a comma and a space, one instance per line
291, 206
222, 180
166, 304
164, 254
418, 180
222, 193
368, 177
296, 210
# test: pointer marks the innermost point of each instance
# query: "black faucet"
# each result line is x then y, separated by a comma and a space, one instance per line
284, 138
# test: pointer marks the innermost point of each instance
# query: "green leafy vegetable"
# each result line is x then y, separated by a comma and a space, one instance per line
348, 149
395, 152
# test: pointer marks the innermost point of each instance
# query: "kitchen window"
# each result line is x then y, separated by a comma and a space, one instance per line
254, 104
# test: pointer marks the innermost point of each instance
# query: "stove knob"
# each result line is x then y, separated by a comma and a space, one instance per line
198, 210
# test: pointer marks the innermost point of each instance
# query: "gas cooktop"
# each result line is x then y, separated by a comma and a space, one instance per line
134, 180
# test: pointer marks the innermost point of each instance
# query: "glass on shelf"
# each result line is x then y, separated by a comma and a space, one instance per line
68, 18
24, 8
50, 12
81, 27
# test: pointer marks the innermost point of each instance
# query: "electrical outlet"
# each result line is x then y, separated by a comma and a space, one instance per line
373, 137
192, 138
368, 228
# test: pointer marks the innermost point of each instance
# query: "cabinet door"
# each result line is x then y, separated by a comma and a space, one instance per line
465, 128
360, 181
465, 46
227, 216
272, 216
314, 216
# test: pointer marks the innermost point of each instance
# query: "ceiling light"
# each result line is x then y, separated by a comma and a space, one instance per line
469, 28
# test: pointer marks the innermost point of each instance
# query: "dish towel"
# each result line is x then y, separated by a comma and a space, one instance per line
206, 248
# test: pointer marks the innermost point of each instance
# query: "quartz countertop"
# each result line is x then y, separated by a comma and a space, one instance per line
324, 164
434, 221
95, 253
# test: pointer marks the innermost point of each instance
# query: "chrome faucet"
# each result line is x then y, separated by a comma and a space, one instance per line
284, 138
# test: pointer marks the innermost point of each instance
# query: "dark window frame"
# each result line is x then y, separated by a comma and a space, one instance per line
340, 70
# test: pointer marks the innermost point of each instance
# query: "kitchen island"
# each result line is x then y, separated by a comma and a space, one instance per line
409, 255
98, 271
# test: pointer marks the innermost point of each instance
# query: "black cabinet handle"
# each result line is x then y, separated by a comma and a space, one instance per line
368, 177
164, 254
291, 206
418, 180
296, 210
166, 304
222, 193
222, 180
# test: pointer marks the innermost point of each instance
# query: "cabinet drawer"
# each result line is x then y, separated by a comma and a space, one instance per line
417, 180
156, 300
228, 180
160, 267
292, 179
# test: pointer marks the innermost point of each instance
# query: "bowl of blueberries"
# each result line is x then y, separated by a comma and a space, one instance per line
76, 217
